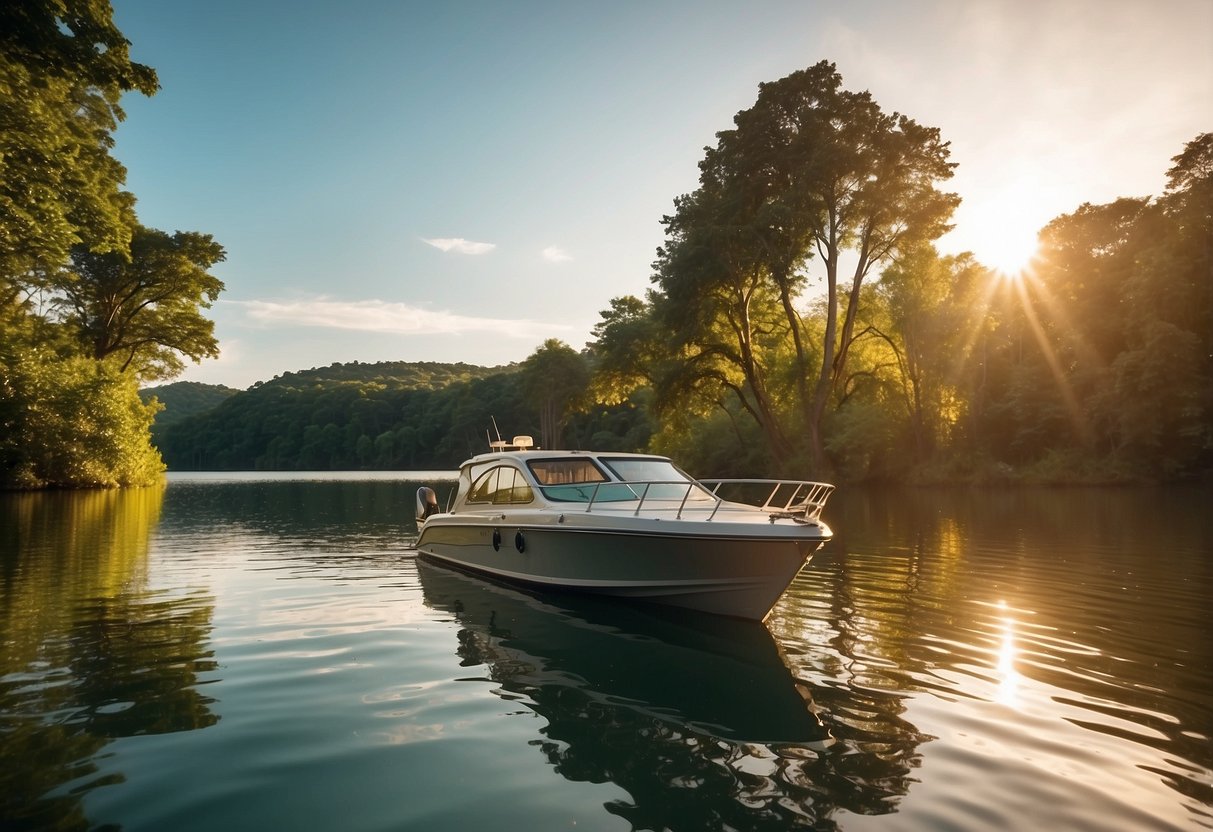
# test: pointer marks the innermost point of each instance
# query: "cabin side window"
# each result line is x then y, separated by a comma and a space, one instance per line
501, 485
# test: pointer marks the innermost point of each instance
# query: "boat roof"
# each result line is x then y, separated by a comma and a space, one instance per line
521, 454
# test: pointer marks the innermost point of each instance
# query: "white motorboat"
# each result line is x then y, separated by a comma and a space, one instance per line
626, 525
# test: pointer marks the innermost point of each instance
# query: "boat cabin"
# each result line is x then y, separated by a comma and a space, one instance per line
518, 475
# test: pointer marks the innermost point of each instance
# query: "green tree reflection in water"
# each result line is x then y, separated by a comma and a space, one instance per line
90, 652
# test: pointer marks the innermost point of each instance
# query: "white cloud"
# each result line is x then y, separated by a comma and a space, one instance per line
459, 245
555, 255
384, 317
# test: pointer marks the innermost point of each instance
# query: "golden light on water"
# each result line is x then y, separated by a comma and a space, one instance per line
1008, 677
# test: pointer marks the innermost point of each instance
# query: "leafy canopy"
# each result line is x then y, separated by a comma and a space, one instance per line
143, 306
810, 171
63, 67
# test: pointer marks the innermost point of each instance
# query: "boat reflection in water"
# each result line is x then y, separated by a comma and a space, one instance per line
696, 716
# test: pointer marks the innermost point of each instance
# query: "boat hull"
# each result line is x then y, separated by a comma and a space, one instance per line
721, 569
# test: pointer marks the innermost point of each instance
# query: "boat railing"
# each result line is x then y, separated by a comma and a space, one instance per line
795, 499
642, 492
785, 498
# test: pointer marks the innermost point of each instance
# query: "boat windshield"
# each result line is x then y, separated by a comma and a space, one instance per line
573, 480
580, 480
668, 480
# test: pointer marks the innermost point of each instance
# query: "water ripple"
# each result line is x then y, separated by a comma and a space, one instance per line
259, 654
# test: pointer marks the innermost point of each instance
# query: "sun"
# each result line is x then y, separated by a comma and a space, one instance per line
1011, 253
1006, 227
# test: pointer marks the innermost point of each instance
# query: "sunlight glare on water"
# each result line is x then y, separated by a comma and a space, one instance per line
1008, 678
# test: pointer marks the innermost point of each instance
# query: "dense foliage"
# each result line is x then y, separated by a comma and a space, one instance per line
91, 302
70, 421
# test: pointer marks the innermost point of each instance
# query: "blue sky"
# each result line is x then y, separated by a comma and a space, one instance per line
460, 181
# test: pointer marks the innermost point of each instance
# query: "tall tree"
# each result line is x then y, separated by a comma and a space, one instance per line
625, 350
933, 325
66, 418
719, 317
143, 305
809, 170
1188, 205
555, 378
1164, 377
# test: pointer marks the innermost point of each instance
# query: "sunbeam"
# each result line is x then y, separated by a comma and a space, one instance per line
1073, 408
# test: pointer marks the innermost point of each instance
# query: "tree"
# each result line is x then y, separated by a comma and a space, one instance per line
1188, 206
719, 315
809, 170
1163, 418
555, 377
71, 422
69, 416
143, 305
624, 351
933, 324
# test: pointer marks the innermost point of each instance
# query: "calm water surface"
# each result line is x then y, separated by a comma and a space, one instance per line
252, 653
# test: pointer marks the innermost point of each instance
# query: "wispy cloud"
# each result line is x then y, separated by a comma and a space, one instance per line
555, 255
459, 245
384, 317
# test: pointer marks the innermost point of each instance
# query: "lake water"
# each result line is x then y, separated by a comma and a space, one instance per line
250, 653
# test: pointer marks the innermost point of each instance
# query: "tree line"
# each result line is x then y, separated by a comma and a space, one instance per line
800, 320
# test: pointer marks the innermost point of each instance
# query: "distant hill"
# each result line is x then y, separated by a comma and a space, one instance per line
388, 415
183, 399
400, 375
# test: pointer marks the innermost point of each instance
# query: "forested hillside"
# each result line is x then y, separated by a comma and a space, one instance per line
183, 399
389, 416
